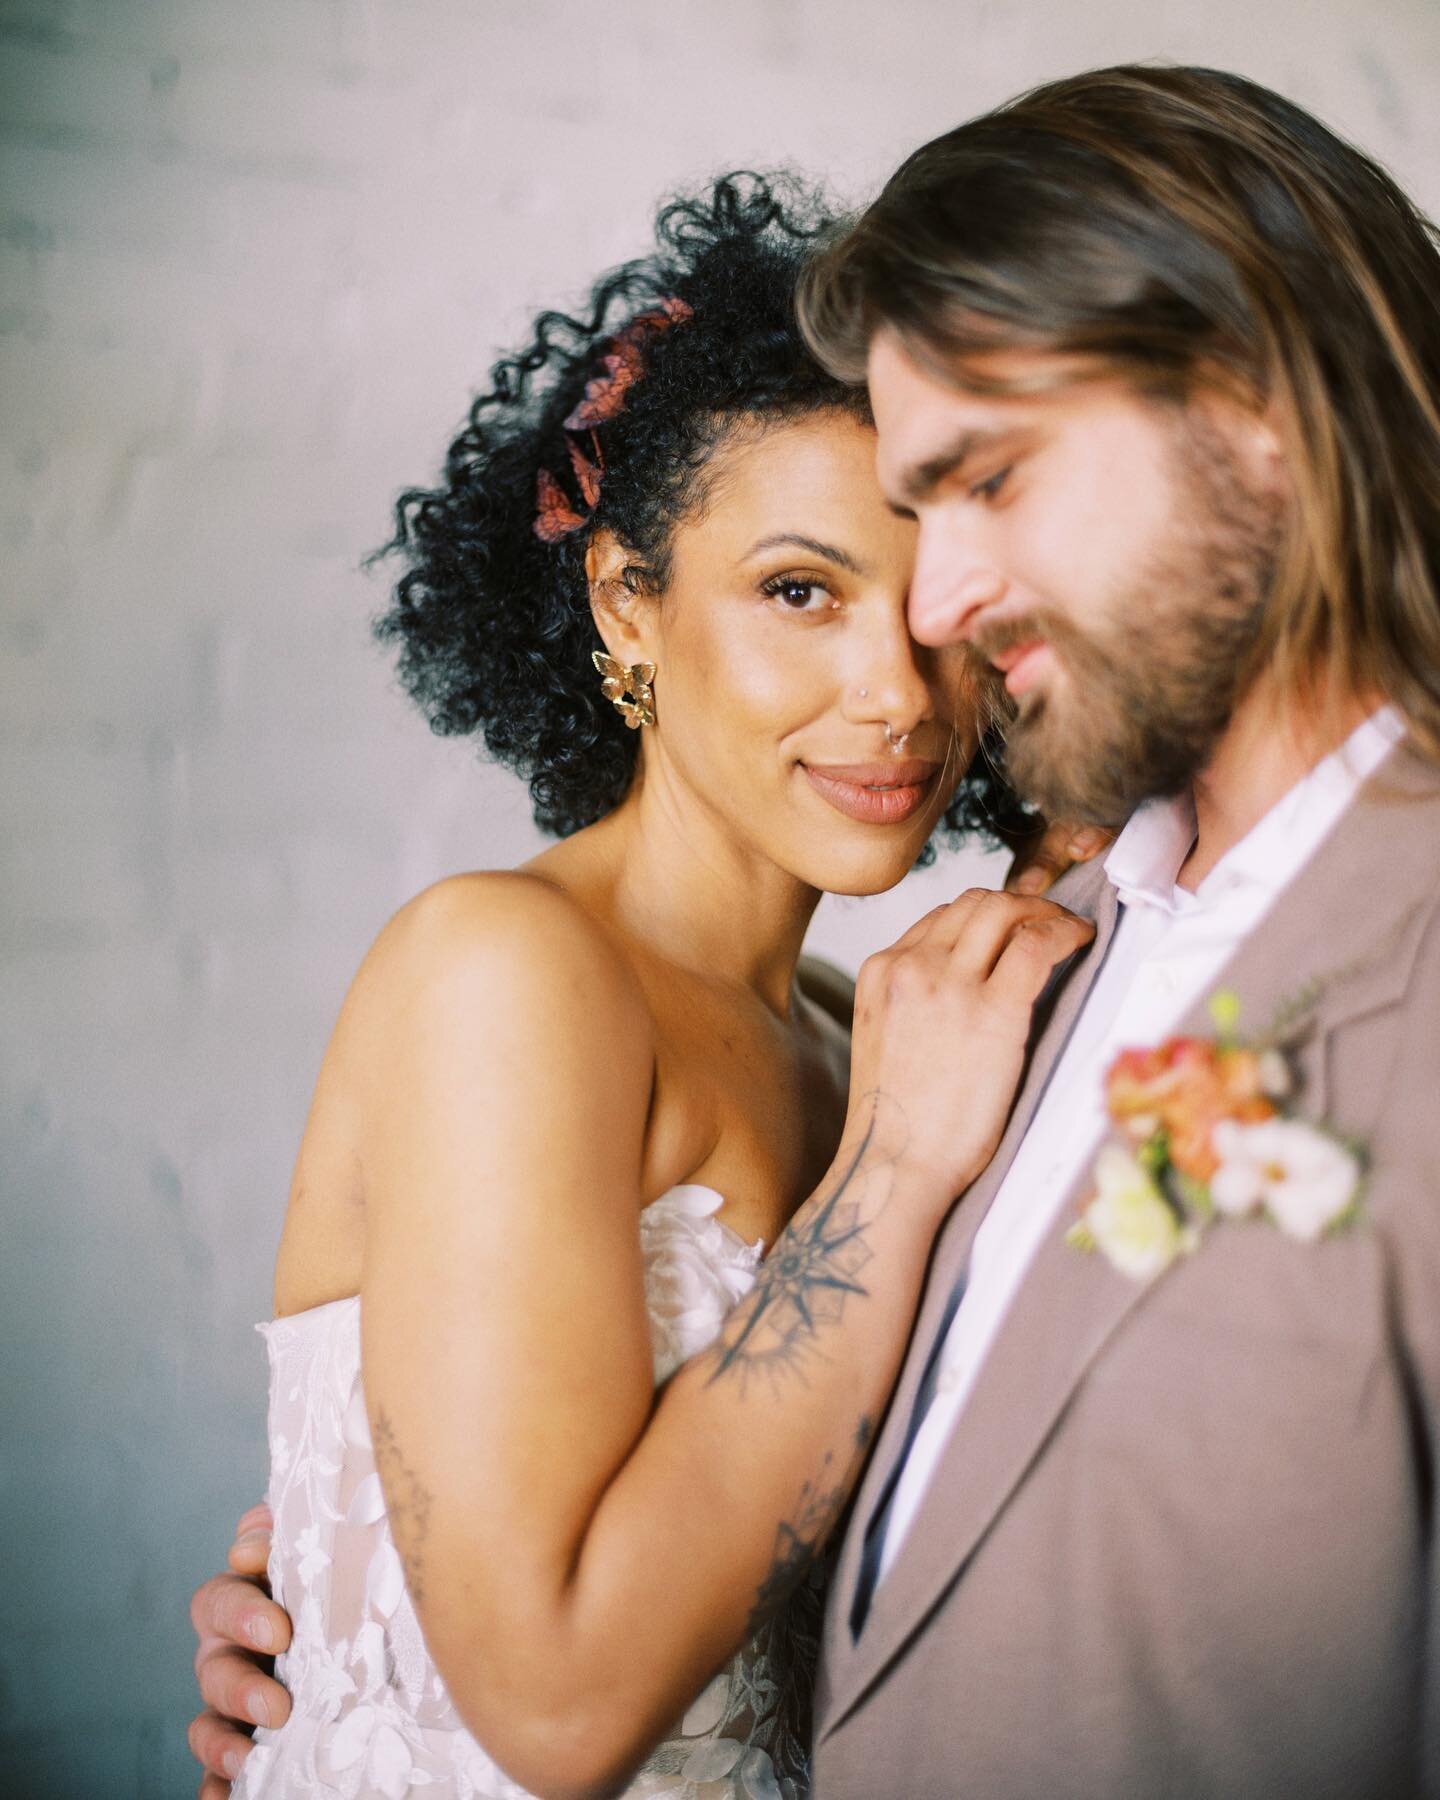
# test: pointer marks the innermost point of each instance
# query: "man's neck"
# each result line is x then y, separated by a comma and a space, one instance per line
1270, 744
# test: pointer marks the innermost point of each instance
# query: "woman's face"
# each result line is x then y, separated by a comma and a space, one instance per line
783, 654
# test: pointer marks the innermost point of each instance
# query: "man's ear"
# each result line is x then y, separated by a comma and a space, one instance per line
624, 614
1262, 436
1269, 444
1260, 431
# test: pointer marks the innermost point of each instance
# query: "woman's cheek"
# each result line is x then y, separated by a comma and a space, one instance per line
766, 678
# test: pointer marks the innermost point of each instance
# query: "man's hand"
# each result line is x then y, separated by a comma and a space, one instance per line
240, 1631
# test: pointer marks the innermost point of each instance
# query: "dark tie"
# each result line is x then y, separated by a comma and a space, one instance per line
880, 1519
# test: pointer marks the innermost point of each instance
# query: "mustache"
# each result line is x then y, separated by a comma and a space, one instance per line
994, 639
986, 695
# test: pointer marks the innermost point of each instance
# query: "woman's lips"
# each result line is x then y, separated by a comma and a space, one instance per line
1021, 665
878, 793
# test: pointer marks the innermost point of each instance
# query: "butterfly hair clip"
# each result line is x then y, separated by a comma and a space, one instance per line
628, 690
555, 517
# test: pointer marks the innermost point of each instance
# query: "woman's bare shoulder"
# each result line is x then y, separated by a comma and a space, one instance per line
516, 942
482, 996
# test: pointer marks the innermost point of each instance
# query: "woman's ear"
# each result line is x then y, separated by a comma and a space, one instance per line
624, 616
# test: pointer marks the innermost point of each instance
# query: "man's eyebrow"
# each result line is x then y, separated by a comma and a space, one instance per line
830, 552
918, 482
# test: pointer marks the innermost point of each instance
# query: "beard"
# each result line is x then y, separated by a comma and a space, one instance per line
1149, 693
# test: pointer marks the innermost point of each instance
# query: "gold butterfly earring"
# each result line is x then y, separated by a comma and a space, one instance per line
628, 690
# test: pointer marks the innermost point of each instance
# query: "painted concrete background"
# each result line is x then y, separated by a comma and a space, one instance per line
254, 255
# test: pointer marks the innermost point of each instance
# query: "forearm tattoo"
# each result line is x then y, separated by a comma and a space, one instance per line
804, 1283
800, 1540
407, 1502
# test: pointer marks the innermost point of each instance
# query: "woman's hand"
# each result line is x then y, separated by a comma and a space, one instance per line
239, 1630
942, 1022
1044, 855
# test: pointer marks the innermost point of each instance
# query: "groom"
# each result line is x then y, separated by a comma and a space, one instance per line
1155, 362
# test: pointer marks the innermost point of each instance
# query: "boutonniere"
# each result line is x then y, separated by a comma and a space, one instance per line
1207, 1131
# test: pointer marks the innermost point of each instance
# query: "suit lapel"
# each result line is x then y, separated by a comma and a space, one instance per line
1091, 895
1057, 1012
1381, 866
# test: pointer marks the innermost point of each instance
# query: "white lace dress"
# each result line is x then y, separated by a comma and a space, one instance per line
371, 1718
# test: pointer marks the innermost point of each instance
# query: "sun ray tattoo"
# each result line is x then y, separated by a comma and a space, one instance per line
803, 1284
796, 1542
799, 1541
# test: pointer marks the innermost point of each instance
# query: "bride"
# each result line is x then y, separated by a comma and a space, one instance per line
603, 1243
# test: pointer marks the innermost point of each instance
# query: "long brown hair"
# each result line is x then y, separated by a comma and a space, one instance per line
1187, 228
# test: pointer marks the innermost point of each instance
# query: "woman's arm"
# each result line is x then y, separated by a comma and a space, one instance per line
582, 1558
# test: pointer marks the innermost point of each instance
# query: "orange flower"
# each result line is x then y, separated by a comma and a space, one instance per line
1186, 1088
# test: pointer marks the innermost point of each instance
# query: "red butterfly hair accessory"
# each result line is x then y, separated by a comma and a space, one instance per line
603, 400
624, 364
588, 473
555, 517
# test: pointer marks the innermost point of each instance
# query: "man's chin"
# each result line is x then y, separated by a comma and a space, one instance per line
1069, 783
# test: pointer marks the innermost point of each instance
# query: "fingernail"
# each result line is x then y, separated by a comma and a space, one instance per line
260, 1632
257, 1708
1031, 882
230, 1762
252, 1537
1084, 842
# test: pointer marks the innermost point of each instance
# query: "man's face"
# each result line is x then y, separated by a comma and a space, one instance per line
1109, 555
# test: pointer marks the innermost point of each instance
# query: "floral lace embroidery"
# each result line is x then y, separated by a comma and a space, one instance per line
371, 1716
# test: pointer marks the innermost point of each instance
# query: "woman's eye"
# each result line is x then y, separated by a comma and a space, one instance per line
796, 595
987, 490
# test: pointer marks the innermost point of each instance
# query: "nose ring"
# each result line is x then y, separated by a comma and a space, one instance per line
897, 744
863, 693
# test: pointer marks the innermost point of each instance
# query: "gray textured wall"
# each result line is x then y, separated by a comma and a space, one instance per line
253, 254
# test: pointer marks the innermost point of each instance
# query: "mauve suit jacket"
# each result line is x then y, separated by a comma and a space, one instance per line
1182, 1541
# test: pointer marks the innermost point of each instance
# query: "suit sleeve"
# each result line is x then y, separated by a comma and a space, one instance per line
1411, 1173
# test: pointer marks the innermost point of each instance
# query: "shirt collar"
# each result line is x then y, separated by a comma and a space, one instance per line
1147, 856
1149, 853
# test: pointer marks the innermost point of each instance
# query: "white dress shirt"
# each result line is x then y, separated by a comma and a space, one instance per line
1167, 952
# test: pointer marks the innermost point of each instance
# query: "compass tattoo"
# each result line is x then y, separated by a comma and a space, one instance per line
802, 1286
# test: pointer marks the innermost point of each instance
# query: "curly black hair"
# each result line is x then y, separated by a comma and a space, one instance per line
494, 623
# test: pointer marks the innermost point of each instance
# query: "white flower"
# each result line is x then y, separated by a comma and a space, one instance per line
1303, 1178
695, 1270
1238, 1186
314, 1560
1131, 1220
708, 1708
370, 1743
755, 1775
315, 1667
